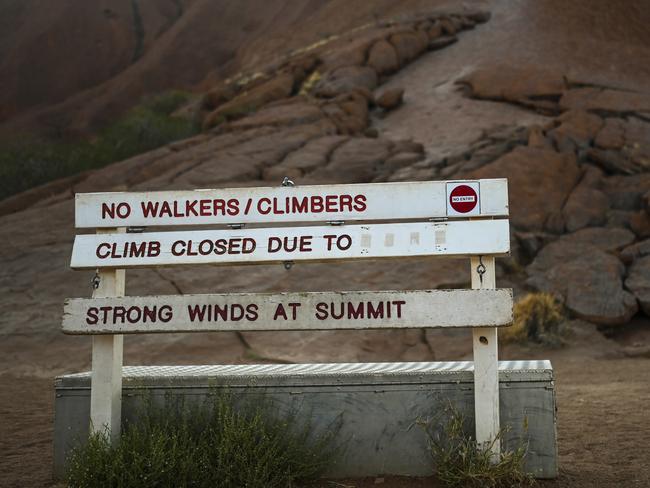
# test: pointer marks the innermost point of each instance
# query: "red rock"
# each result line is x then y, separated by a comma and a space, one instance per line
637, 250
585, 207
401, 160
591, 285
612, 161
537, 138
486, 154
447, 26
274, 89
409, 45
304, 160
539, 182
365, 93
355, 161
593, 177
632, 138
371, 132
344, 80
296, 113
349, 54
555, 223
532, 242
638, 282
608, 240
382, 57
640, 224
217, 96
626, 192
441, 42
467, 23
619, 218
612, 135
576, 131
478, 16
605, 100
408, 146
435, 31
348, 112
572, 246
527, 85
390, 98
424, 26
304, 63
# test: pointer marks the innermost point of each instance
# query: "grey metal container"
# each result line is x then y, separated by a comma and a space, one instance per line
376, 406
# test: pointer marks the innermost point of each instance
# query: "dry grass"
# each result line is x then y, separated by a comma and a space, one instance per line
309, 83
537, 318
460, 462
214, 445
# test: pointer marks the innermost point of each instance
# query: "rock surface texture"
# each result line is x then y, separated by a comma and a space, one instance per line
573, 145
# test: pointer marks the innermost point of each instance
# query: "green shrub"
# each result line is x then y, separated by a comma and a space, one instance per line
460, 462
28, 162
210, 445
165, 103
537, 318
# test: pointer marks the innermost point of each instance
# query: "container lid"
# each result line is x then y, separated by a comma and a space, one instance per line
332, 374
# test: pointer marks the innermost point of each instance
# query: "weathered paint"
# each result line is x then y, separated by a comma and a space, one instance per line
289, 311
317, 203
107, 357
486, 365
485, 310
274, 245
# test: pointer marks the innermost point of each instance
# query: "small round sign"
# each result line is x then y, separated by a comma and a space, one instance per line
463, 199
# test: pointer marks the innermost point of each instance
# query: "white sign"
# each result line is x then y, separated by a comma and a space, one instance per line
289, 311
274, 245
376, 201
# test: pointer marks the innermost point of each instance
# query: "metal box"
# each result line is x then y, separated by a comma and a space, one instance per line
377, 405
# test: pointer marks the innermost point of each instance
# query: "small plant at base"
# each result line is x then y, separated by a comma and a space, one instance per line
460, 462
210, 445
309, 83
537, 318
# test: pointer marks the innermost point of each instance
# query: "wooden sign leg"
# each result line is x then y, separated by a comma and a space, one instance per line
486, 365
106, 380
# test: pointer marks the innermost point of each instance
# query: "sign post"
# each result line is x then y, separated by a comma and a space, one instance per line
106, 391
393, 309
486, 364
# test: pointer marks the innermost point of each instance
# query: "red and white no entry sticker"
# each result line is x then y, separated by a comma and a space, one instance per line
463, 198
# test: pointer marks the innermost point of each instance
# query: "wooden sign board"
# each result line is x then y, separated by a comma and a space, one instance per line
289, 311
318, 203
274, 245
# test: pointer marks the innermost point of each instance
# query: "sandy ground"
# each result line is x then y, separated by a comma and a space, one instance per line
602, 399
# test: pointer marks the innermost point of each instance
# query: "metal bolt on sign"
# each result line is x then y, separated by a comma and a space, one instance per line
135, 230
480, 269
95, 281
287, 182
